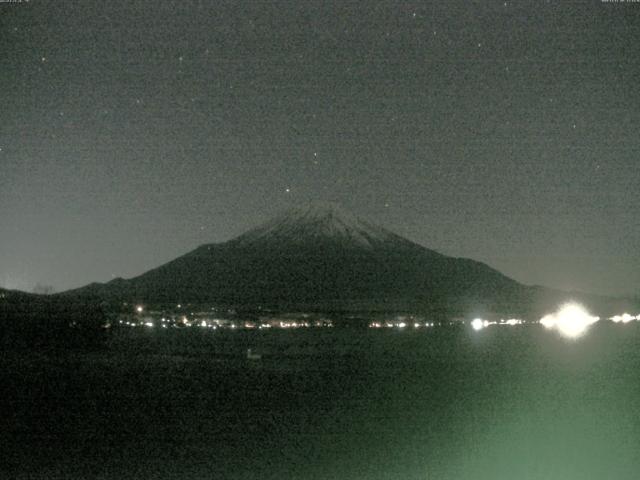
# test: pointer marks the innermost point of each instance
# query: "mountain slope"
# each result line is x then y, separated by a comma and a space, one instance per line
320, 257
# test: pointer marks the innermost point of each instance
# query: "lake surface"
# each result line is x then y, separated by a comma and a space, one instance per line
444, 403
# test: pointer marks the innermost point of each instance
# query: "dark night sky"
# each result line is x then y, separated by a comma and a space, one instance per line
132, 132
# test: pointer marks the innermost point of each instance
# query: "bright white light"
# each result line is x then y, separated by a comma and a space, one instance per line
513, 321
402, 325
149, 324
624, 318
416, 325
572, 320
548, 321
139, 309
478, 323
203, 323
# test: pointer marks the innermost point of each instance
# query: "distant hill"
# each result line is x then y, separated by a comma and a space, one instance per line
17, 296
34, 321
320, 257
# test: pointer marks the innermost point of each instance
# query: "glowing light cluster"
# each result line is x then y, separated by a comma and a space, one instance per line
479, 324
624, 318
572, 320
399, 324
511, 321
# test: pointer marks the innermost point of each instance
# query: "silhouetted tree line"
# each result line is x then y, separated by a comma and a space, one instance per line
31, 322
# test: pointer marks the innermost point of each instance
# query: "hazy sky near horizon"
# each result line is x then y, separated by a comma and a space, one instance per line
133, 131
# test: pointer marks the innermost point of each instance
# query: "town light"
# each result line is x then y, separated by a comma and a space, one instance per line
572, 320
478, 324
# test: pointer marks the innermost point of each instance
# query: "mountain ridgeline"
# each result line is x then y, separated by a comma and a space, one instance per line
322, 258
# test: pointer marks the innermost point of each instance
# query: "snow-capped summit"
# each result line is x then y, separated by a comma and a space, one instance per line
323, 222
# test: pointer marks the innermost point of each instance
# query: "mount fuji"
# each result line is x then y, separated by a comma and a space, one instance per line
320, 257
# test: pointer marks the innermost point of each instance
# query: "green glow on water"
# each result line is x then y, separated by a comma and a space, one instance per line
448, 404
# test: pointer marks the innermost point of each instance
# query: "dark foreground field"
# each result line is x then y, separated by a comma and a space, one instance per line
503, 403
